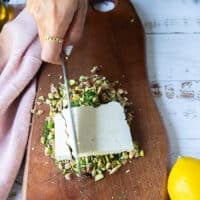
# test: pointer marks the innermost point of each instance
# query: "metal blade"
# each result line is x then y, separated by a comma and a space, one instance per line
74, 135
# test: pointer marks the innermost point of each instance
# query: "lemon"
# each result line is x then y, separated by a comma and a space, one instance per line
184, 179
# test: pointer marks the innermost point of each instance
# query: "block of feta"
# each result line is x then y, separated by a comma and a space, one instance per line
101, 130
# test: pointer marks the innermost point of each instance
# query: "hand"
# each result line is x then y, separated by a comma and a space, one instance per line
58, 18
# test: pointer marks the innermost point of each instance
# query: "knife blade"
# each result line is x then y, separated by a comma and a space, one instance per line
67, 98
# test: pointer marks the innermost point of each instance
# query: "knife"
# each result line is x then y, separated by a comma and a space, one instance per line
67, 98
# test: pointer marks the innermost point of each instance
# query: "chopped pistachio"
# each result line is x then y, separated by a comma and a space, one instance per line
53, 89
56, 95
41, 98
98, 177
39, 112
141, 153
111, 156
50, 136
51, 142
67, 165
88, 90
124, 162
42, 140
93, 173
107, 159
89, 169
47, 101
50, 95
115, 169
38, 103
68, 176
60, 165
95, 69
120, 91
125, 155
47, 151
108, 165
83, 78
131, 154
54, 102
72, 82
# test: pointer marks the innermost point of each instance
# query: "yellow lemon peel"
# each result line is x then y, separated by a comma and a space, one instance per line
184, 179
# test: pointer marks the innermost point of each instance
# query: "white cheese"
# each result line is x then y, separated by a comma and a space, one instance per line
62, 151
101, 130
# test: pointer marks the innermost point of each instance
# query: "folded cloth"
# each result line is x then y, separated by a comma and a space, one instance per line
19, 62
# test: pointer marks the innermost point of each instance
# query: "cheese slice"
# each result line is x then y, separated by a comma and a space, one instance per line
101, 130
62, 151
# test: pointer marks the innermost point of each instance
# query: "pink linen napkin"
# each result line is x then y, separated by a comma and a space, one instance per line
19, 62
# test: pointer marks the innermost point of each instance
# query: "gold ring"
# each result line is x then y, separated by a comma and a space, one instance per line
54, 39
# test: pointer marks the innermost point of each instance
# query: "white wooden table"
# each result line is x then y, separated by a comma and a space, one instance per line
173, 61
173, 48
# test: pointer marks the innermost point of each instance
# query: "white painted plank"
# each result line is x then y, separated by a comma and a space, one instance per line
173, 57
181, 118
186, 147
189, 91
169, 16
165, 16
179, 104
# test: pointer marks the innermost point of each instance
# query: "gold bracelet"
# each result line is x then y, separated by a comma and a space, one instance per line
54, 39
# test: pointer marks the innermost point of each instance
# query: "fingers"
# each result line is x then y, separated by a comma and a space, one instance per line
53, 25
51, 49
56, 20
76, 28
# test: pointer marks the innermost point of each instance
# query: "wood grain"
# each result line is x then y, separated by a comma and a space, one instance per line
110, 40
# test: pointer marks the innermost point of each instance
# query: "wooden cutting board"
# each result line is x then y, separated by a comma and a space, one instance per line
114, 40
